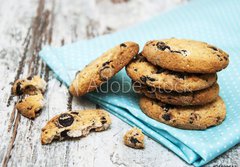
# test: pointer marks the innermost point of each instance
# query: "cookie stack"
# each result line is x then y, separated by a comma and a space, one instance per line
178, 78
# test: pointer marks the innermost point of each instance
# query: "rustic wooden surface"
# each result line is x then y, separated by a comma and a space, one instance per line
25, 27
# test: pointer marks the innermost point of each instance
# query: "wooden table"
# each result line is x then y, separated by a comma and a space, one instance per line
25, 27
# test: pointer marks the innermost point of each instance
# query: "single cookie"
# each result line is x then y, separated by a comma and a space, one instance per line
194, 117
30, 105
103, 68
184, 55
75, 124
134, 138
144, 72
31, 85
200, 97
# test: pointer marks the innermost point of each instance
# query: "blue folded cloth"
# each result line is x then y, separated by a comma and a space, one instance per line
213, 21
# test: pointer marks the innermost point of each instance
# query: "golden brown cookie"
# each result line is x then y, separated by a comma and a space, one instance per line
103, 68
134, 138
191, 117
144, 72
75, 124
185, 55
30, 85
200, 97
30, 105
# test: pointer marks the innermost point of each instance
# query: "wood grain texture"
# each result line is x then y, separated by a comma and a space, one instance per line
25, 27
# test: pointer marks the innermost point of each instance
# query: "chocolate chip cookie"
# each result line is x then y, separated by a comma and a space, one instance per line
134, 138
185, 55
103, 68
75, 124
30, 105
200, 97
144, 72
194, 117
30, 85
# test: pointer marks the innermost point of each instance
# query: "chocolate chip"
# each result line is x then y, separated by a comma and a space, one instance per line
134, 140
74, 112
220, 58
29, 108
150, 79
18, 89
123, 45
166, 117
21, 100
103, 120
77, 73
38, 111
218, 119
29, 78
135, 69
143, 79
106, 63
182, 52
213, 48
65, 120
104, 77
167, 107
193, 117
64, 134
225, 58
162, 46
191, 120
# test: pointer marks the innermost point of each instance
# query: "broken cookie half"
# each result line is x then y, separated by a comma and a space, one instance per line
75, 124
31, 91
30, 85
30, 105
134, 138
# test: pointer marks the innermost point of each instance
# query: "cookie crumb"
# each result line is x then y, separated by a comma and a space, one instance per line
134, 138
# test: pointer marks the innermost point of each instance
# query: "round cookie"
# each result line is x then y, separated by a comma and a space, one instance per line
30, 105
191, 117
200, 97
185, 55
75, 124
103, 68
144, 72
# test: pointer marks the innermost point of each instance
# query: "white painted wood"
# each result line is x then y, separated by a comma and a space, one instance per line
65, 22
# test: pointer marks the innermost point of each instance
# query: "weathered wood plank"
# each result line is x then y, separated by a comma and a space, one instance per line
59, 22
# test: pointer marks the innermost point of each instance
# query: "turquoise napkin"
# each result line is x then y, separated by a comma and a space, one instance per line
214, 21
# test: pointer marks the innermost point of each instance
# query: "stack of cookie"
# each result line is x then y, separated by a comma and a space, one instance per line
178, 78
